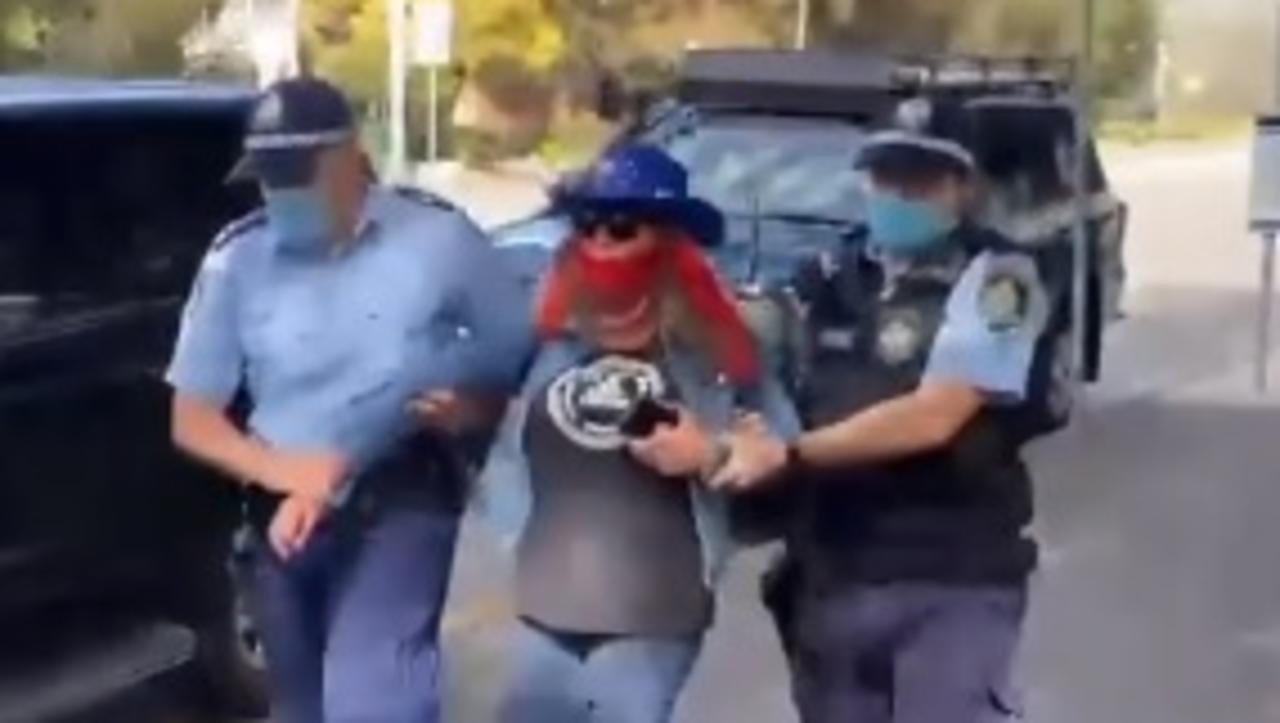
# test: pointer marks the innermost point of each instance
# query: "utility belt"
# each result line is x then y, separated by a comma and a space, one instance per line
422, 472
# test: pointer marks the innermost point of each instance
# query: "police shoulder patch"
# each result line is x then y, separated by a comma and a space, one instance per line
237, 228
1011, 297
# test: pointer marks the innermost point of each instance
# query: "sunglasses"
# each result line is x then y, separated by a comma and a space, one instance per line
618, 227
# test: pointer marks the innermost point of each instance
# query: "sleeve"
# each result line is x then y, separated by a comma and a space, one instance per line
208, 359
769, 398
495, 309
993, 322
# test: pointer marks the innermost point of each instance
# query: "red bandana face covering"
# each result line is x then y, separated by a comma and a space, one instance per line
618, 287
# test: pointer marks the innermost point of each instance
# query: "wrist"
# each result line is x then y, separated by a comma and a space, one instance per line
253, 464
794, 460
715, 456
268, 470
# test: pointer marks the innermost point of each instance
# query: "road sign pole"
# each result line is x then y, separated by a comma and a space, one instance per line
433, 47
1275, 60
1080, 245
396, 12
433, 112
1265, 305
802, 24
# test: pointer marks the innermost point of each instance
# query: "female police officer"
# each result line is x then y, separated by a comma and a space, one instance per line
933, 366
331, 311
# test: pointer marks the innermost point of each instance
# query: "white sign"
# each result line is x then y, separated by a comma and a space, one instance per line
273, 39
432, 32
1264, 205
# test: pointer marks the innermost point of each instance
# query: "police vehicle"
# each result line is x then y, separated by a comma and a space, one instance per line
113, 550
770, 137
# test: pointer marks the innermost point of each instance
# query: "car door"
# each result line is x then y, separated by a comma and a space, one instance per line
104, 213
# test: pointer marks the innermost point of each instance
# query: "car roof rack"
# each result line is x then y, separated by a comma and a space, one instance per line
859, 82
987, 74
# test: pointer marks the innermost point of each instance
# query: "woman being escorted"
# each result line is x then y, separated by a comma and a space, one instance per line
597, 470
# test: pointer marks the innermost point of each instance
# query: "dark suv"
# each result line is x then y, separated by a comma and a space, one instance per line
770, 137
114, 583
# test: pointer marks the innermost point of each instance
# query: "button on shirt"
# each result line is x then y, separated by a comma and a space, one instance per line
332, 343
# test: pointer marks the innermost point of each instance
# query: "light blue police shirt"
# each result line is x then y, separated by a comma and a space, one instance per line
992, 324
331, 345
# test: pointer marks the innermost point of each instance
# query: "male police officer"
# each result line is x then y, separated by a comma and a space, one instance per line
339, 311
908, 552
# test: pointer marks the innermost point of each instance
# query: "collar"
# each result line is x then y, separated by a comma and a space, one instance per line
371, 213
367, 226
945, 265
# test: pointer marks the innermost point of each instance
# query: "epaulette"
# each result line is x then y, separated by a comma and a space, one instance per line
422, 196
236, 228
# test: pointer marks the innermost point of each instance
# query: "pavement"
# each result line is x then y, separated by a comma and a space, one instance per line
1159, 597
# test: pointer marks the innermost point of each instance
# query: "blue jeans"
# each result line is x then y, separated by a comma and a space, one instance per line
350, 626
906, 653
619, 680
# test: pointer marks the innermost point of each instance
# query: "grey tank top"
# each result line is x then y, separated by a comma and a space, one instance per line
611, 547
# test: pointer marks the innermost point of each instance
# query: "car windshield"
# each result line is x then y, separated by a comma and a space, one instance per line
793, 168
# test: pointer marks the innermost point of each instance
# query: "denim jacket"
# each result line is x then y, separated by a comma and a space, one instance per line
504, 495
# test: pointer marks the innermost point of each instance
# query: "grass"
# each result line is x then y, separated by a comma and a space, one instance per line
1187, 128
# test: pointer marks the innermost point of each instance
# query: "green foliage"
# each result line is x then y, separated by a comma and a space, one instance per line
346, 42
526, 29
104, 37
1124, 34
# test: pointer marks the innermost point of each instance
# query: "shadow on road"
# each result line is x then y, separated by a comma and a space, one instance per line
1160, 596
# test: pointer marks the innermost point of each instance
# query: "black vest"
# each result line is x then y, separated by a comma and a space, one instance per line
953, 516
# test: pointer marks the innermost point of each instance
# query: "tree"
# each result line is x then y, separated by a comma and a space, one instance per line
1124, 34
526, 29
105, 37
346, 42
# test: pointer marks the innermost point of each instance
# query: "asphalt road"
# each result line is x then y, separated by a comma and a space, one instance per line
1159, 599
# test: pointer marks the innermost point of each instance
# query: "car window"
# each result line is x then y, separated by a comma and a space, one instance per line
105, 209
788, 166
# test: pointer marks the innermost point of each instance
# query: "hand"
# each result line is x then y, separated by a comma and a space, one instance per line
295, 521
676, 451
310, 475
444, 410
756, 456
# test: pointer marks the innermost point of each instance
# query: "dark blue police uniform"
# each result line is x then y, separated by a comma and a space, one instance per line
904, 591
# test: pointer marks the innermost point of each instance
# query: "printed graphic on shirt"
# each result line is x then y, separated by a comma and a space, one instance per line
589, 403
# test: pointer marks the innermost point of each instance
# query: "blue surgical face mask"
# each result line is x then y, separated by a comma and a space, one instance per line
904, 226
299, 217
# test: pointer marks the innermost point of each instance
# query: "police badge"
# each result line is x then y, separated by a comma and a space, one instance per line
899, 337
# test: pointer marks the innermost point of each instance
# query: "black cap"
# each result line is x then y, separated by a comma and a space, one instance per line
926, 137
293, 120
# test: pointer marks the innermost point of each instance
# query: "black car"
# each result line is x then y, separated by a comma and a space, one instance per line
770, 138
115, 593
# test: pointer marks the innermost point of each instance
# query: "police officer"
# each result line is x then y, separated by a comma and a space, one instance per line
365, 328
907, 565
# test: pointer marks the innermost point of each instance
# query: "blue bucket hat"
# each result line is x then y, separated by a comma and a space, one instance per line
644, 180
291, 123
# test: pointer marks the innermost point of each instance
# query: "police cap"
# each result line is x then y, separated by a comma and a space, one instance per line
292, 121
927, 138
